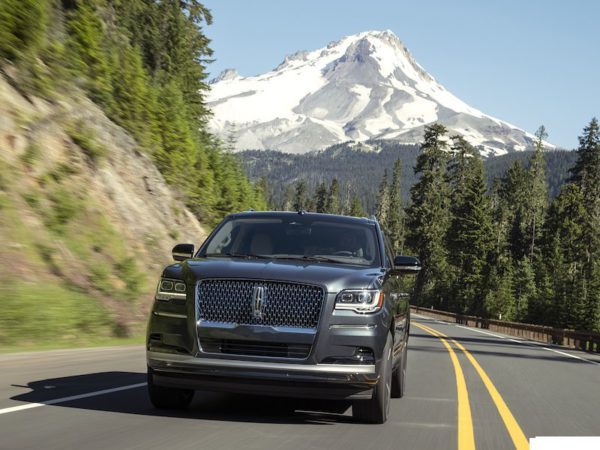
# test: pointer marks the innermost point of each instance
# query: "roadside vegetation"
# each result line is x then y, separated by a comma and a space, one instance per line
68, 274
144, 63
511, 251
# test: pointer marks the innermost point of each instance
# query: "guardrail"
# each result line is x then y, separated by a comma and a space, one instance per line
588, 341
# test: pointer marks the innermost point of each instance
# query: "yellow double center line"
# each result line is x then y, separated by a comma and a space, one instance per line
465, 423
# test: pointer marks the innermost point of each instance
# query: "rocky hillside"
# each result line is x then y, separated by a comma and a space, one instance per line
86, 222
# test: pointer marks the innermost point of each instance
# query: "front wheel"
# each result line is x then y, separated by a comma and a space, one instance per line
168, 398
377, 409
399, 376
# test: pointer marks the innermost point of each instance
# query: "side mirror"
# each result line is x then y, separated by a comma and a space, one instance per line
404, 265
182, 252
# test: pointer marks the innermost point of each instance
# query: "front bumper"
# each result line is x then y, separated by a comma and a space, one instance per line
332, 381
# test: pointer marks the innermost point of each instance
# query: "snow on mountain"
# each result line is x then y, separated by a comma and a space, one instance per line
365, 86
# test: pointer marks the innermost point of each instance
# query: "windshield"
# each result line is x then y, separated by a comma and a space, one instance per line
302, 238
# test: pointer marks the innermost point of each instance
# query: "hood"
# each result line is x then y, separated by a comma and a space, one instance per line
333, 277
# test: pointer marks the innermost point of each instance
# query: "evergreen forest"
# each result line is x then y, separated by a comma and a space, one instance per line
144, 63
504, 247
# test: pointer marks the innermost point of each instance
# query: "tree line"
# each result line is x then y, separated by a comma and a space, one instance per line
144, 63
510, 250
359, 168
507, 252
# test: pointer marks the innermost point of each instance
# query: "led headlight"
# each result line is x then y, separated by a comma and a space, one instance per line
169, 288
360, 300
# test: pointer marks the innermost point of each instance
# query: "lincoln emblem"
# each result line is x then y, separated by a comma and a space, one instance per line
259, 298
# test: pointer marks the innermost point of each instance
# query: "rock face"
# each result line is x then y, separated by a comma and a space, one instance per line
365, 86
81, 205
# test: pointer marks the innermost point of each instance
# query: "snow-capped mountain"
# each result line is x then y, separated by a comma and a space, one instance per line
365, 86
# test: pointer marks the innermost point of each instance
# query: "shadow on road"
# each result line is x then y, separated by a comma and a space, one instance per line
206, 405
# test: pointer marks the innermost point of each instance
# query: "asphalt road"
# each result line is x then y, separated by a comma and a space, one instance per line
547, 391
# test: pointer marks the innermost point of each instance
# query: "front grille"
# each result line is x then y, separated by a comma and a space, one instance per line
255, 348
285, 304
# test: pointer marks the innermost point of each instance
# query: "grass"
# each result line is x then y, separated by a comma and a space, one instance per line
137, 339
35, 314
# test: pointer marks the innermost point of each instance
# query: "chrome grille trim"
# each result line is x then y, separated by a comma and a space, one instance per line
287, 305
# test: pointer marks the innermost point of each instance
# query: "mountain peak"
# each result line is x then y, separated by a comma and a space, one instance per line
227, 74
363, 86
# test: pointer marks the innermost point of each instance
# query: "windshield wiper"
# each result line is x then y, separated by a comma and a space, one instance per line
238, 255
316, 258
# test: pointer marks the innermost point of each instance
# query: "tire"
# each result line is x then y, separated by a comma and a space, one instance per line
168, 398
376, 410
399, 376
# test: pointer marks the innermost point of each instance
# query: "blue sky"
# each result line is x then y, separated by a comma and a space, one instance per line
528, 62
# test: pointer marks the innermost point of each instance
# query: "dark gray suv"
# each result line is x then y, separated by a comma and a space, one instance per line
285, 304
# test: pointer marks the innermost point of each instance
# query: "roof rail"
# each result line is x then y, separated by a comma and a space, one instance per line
372, 217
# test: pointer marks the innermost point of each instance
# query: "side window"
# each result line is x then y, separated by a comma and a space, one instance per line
222, 240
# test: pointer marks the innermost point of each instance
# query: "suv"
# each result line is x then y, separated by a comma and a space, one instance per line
286, 304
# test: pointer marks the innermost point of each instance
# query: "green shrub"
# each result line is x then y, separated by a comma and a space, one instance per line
100, 277
32, 199
134, 280
31, 154
65, 206
62, 171
84, 138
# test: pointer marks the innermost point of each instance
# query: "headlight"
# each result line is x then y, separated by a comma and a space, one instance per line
169, 288
360, 300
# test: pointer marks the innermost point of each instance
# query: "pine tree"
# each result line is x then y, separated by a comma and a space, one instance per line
586, 175
300, 196
262, 197
176, 156
562, 249
133, 104
346, 199
86, 54
469, 237
321, 198
383, 200
509, 213
356, 208
524, 288
499, 301
333, 198
537, 198
395, 214
428, 218
23, 26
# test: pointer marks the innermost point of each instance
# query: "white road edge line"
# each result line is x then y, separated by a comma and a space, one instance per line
570, 355
69, 399
518, 341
